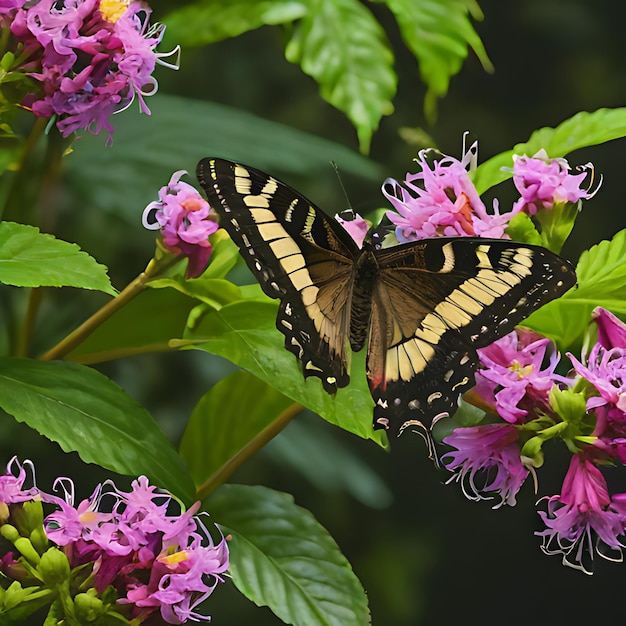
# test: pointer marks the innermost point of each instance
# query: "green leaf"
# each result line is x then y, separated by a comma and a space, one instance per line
582, 130
208, 21
216, 292
228, 418
438, 33
521, 228
342, 46
146, 324
601, 273
245, 333
126, 176
84, 411
281, 557
29, 258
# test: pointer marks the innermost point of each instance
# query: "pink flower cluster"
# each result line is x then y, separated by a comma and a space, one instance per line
186, 221
543, 182
137, 544
92, 58
518, 379
441, 200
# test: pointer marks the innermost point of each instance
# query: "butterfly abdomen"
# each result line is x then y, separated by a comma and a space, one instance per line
363, 281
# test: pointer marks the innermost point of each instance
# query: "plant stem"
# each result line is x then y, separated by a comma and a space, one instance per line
131, 290
26, 331
253, 446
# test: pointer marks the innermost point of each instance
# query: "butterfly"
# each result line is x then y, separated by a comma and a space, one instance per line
423, 307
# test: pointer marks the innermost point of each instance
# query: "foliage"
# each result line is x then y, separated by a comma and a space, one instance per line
281, 557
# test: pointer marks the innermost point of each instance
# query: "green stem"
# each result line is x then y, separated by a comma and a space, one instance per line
131, 290
26, 331
253, 446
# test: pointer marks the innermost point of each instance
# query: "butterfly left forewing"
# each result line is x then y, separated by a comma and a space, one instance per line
299, 256
438, 300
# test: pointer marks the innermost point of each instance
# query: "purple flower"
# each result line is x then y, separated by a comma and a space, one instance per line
583, 519
355, 225
606, 371
133, 537
543, 182
512, 376
92, 58
12, 483
611, 330
440, 200
186, 221
487, 462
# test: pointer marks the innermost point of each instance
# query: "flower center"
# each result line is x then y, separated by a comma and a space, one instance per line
522, 371
112, 10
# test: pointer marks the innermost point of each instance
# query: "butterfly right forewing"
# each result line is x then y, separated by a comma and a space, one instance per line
438, 300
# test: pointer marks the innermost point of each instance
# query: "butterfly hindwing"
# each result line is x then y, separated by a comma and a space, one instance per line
298, 254
434, 303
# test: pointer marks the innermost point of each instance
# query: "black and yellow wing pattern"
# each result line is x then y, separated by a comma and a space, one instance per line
423, 307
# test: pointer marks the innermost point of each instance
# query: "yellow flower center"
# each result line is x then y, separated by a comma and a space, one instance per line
172, 559
112, 10
521, 371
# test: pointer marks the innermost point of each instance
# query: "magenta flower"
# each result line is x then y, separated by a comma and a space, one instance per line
611, 330
583, 519
512, 376
605, 370
92, 58
487, 462
186, 221
440, 200
134, 537
12, 483
354, 224
543, 182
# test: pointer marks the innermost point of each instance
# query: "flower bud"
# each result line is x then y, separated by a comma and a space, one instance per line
54, 567
88, 607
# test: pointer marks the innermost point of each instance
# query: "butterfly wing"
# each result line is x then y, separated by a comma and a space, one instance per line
299, 256
435, 302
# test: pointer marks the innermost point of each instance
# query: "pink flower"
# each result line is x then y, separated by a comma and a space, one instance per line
582, 520
137, 536
544, 182
513, 377
186, 221
440, 200
354, 224
487, 461
611, 330
91, 57
12, 483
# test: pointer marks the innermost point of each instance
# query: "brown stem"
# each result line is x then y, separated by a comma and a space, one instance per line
253, 446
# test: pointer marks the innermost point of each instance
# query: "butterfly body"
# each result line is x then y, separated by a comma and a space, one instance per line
423, 308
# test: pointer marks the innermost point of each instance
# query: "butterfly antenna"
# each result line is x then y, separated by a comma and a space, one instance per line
345, 193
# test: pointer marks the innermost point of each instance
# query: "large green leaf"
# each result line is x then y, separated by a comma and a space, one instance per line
84, 411
438, 33
207, 21
601, 273
582, 130
29, 258
281, 557
342, 46
227, 420
245, 333
145, 324
126, 176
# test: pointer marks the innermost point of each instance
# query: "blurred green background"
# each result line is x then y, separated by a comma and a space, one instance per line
423, 552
